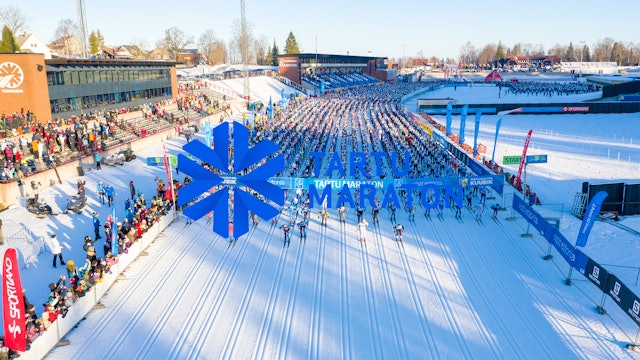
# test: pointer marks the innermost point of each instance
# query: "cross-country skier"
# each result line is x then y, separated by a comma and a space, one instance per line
324, 214
478, 210
483, 195
375, 211
458, 211
495, 207
287, 237
302, 225
362, 227
392, 214
342, 211
359, 213
412, 213
398, 230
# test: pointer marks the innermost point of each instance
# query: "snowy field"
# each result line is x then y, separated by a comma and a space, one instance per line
450, 290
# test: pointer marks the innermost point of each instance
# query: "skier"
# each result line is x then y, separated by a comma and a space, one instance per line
412, 213
483, 195
323, 216
458, 211
110, 192
495, 207
101, 192
359, 213
254, 219
374, 213
362, 226
398, 230
392, 215
479, 209
342, 210
302, 225
287, 236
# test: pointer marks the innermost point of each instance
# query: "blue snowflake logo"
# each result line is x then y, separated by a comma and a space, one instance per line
240, 168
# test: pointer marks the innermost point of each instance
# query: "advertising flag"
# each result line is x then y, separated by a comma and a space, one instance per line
495, 140
270, 109
167, 168
322, 87
523, 159
114, 233
463, 122
590, 216
208, 137
13, 303
475, 133
449, 119
282, 99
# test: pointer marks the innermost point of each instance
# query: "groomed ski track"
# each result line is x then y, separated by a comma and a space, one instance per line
444, 292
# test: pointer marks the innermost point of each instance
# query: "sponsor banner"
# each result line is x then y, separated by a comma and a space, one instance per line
564, 247
523, 158
530, 159
463, 122
495, 141
624, 297
476, 130
282, 182
448, 118
590, 216
581, 261
575, 109
159, 160
532, 217
15, 335
598, 275
336, 184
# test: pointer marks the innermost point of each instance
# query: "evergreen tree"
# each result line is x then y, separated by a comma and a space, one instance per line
571, 53
499, 53
93, 43
291, 46
8, 42
274, 54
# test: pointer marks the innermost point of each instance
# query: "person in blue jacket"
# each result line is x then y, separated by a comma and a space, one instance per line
96, 225
101, 192
110, 192
97, 158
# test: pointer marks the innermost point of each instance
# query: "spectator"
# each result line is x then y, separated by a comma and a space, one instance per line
56, 250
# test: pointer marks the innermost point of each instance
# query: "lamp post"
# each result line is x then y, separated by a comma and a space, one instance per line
316, 53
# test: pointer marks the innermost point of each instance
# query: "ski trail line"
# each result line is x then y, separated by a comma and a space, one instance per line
444, 299
314, 338
367, 281
344, 292
398, 336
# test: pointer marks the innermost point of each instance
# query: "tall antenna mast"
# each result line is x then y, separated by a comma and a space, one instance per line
82, 24
244, 52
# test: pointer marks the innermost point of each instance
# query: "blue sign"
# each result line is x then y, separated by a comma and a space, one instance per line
536, 159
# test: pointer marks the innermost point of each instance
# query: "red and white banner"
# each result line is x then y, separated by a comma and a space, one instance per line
573, 109
15, 336
523, 159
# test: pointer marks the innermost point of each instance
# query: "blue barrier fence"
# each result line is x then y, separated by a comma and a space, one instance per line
607, 282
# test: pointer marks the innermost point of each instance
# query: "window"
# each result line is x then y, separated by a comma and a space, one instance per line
83, 77
89, 77
66, 78
75, 78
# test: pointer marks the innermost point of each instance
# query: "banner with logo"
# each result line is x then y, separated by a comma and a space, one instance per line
476, 130
495, 140
463, 122
208, 136
598, 275
590, 216
270, 110
523, 159
449, 118
114, 232
13, 303
624, 297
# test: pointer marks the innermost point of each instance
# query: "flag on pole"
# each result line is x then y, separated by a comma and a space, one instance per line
114, 233
167, 168
208, 137
449, 118
463, 122
475, 132
495, 140
590, 215
15, 332
523, 159
270, 110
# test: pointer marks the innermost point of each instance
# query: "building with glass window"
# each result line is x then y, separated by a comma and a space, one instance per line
64, 87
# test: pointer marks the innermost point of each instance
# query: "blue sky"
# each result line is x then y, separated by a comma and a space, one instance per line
436, 28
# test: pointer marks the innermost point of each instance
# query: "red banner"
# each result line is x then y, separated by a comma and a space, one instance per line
523, 159
15, 336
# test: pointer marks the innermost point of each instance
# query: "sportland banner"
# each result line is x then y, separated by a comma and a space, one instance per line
13, 303
523, 159
449, 118
590, 216
475, 133
495, 140
463, 122
114, 232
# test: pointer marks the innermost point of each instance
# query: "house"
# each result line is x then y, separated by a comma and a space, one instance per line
66, 47
30, 44
188, 57
160, 53
119, 52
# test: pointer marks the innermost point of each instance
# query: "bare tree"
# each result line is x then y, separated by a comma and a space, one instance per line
14, 19
618, 53
65, 32
240, 46
602, 49
488, 54
468, 54
262, 50
175, 41
207, 44
138, 48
